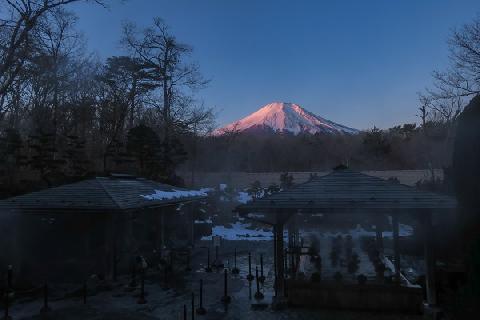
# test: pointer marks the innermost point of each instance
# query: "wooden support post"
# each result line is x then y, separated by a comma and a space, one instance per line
188, 268
250, 275
226, 299
85, 292
262, 276
297, 243
162, 230
141, 299
291, 228
192, 216
235, 270
9, 278
258, 294
133, 276
208, 268
45, 307
7, 306
275, 260
379, 236
114, 260
396, 248
201, 310
280, 259
429, 259
193, 306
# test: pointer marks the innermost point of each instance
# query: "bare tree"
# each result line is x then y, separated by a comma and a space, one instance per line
165, 62
167, 67
57, 45
19, 19
453, 87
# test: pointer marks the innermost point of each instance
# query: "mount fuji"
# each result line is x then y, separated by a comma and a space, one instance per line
285, 118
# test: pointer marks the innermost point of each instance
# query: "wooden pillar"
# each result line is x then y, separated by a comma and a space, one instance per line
155, 220
379, 235
429, 256
291, 244
279, 250
192, 216
379, 239
296, 243
109, 246
275, 259
396, 248
162, 230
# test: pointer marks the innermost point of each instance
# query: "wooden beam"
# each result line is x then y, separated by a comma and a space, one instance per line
275, 259
291, 245
379, 238
162, 230
396, 247
429, 256
279, 259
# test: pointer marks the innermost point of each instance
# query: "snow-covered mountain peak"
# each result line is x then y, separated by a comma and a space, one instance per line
285, 117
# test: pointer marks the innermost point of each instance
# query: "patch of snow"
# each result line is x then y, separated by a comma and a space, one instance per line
243, 197
174, 194
222, 186
241, 231
209, 221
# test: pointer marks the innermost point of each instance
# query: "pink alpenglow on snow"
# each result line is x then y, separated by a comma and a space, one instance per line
174, 194
285, 117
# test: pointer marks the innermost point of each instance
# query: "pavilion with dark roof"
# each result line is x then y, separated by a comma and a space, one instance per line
347, 191
88, 226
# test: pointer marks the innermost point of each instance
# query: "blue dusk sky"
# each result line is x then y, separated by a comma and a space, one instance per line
359, 63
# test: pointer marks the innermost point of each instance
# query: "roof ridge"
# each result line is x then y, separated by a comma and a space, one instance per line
100, 182
404, 185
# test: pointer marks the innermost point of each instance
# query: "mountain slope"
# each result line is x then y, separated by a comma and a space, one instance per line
285, 117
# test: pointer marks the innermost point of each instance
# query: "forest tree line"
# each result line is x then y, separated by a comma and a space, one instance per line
401, 147
66, 115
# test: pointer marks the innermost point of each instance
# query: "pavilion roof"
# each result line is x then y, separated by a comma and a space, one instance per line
101, 194
348, 190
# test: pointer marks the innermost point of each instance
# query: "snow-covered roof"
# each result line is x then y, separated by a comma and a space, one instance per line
102, 194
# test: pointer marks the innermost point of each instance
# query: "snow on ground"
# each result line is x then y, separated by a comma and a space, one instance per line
241, 231
404, 231
244, 231
243, 197
209, 221
165, 195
